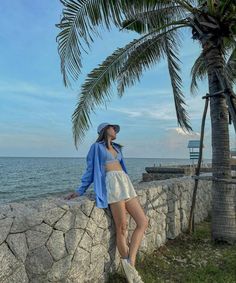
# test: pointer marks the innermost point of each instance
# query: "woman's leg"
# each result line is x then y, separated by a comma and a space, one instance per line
136, 211
119, 215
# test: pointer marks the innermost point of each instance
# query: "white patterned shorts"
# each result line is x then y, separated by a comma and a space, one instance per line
119, 186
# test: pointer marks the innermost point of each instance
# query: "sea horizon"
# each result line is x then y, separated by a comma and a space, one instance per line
85, 157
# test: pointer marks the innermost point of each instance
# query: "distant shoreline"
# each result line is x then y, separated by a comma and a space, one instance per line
176, 158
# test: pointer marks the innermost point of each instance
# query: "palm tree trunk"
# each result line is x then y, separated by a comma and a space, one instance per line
223, 194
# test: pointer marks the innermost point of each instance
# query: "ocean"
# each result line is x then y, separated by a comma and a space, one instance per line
23, 178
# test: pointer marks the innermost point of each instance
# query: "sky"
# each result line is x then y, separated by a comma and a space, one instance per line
36, 107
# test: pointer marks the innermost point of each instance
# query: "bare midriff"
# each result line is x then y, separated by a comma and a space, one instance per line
113, 166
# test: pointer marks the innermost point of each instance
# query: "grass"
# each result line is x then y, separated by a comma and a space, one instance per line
188, 258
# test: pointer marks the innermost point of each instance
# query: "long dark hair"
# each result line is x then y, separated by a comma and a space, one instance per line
103, 136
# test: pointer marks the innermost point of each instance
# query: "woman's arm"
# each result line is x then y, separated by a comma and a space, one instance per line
87, 177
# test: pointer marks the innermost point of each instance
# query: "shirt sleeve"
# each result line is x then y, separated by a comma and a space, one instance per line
122, 156
121, 152
87, 177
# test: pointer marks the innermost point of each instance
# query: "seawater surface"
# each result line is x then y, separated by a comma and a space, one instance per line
24, 178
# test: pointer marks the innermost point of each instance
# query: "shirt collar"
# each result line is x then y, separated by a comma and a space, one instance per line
103, 142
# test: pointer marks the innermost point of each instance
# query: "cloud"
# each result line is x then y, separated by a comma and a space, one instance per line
29, 90
180, 131
145, 92
151, 104
129, 112
175, 142
34, 140
156, 111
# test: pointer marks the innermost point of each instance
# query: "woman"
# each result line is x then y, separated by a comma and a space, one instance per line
113, 189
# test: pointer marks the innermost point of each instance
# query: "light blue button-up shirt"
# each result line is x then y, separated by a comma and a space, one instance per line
95, 172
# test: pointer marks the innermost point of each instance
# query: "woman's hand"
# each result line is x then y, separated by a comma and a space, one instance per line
71, 195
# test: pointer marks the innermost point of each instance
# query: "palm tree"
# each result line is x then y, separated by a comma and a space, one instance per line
159, 24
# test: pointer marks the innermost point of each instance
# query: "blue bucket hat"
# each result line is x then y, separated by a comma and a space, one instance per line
103, 125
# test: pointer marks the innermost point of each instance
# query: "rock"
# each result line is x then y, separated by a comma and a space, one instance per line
56, 245
98, 236
53, 215
5, 226
26, 219
97, 215
37, 236
19, 224
8, 262
87, 206
86, 242
72, 238
60, 269
38, 261
105, 222
19, 275
18, 245
81, 219
91, 227
95, 269
66, 222
5, 211
80, 263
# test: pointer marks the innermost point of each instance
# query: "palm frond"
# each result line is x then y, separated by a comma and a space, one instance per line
230, 68
142, 58
190, 5
226, 5
198, 72
78, 27
171, 51
97, 87
230, 75
146, 21
193, 3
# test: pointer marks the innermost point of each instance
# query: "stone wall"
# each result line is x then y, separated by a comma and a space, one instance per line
57, 240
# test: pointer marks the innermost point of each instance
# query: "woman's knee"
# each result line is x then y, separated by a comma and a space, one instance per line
143, 224
121, 228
